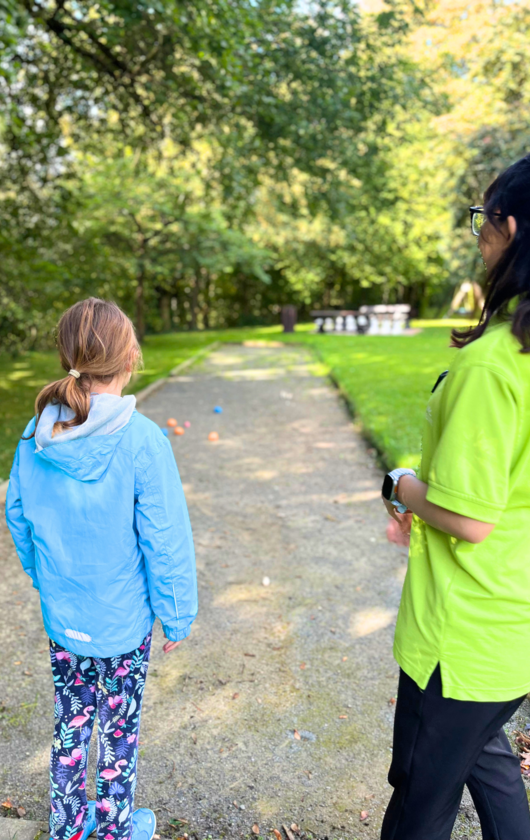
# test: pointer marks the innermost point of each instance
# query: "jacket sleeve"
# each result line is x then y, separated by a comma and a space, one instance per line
18, 524
164, 535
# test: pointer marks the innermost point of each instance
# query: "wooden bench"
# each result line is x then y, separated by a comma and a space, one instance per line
382, 319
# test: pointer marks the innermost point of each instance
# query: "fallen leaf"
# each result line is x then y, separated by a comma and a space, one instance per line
302, 666
255, 829
364, 816
21, 811
194, 738
344, 658
28, 674
18, 662
249, 654
297, 735
332, 630
343, 717
7, 803
156, 836
392, 701
288, 832
277, 834
295, 828
331, 518
235, 695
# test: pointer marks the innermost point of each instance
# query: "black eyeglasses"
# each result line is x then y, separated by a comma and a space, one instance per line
478, 217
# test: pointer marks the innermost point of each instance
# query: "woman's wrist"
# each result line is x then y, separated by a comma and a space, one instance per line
403, 485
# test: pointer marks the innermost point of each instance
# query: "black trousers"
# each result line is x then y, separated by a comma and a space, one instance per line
440, 745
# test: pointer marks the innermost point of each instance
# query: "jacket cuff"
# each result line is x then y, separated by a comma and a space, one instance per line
172, 634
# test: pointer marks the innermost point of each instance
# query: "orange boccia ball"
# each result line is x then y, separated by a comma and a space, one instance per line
213, 436
178, 430
172, 422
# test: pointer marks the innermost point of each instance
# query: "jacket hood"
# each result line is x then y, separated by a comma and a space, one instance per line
85, 451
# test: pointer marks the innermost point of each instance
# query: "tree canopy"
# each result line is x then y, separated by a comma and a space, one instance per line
205, 163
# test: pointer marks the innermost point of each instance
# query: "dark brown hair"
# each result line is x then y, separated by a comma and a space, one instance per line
97, 339
508, 281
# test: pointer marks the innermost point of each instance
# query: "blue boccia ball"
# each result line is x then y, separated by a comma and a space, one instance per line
218, 409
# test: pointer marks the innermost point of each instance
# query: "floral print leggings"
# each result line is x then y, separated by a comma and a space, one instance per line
113, 688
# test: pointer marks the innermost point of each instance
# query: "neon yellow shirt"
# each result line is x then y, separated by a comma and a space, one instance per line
467, 606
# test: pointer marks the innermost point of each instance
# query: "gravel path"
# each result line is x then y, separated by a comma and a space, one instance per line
279, 707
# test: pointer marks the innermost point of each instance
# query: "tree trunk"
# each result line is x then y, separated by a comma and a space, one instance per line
194, 301
165, 311
139, 298
140, 302
206, 305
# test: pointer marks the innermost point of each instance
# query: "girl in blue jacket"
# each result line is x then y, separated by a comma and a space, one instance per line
97, 512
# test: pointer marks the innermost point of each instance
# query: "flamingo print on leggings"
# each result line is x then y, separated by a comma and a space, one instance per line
113, 689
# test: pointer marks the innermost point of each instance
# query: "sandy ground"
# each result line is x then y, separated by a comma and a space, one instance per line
279, 707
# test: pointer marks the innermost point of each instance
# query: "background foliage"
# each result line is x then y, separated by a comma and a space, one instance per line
205, 163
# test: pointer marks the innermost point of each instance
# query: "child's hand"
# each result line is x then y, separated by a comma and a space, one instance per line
171, 646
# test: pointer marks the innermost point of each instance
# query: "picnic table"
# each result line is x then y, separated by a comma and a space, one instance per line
381, 319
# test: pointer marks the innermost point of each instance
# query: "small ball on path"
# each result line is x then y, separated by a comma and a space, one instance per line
218, 409
213, 436
266, 581
187, 424
179, 430
172, 422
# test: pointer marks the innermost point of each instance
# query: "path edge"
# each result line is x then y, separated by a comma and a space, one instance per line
158, 383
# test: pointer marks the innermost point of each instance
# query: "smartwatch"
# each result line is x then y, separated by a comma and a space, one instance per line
390, 483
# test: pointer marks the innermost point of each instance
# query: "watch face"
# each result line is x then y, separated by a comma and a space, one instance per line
388, 487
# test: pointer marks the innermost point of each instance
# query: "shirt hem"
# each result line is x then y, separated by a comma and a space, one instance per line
101, 649
454, 691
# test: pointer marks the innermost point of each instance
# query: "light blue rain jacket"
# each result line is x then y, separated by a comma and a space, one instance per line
100, 524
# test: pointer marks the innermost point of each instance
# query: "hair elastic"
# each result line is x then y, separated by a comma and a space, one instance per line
75, 373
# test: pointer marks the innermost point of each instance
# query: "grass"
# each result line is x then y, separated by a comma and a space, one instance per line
387, 380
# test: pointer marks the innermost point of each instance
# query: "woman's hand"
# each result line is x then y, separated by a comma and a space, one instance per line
171, 646
391, 509
398, 530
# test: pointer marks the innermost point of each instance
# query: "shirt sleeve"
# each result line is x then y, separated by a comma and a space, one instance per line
470, 470
18, 524
164, 535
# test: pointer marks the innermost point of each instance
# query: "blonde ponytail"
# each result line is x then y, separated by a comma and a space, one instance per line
96, 340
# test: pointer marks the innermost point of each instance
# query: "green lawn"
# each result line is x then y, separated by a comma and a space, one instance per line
386, 380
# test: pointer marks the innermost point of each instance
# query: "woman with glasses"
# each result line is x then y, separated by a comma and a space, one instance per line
463, 631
